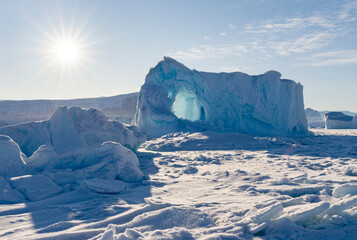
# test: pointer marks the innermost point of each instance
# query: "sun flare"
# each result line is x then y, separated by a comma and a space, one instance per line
67, 51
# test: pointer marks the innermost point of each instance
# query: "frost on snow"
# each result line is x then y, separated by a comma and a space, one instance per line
175, 98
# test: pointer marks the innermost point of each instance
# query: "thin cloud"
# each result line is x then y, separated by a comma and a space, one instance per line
209, 51
231, 26
222, 34
333, 58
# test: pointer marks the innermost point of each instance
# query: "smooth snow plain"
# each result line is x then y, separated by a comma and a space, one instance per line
204, 186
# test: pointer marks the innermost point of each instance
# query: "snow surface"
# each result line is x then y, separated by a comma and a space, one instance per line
339, 120
175, 98
120, 107
203, 186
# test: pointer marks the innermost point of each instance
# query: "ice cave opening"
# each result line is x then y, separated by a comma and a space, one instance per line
187, 107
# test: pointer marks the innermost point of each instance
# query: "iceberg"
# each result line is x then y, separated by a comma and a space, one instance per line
175, 98
339, 120
314, 118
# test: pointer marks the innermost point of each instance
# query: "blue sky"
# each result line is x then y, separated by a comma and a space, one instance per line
309, 41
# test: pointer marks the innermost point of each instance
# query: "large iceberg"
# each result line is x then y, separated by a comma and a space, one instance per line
175, 98
339, 120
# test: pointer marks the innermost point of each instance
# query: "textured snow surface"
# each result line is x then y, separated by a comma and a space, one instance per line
120, 107
201, 186
175, 98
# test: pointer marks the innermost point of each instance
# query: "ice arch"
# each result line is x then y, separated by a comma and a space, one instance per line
187, 107
175, 98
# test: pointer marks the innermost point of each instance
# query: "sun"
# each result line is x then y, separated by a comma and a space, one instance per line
67, 51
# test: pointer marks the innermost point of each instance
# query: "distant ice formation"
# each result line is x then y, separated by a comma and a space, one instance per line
120, 107
175, 98
339, 120
314, 118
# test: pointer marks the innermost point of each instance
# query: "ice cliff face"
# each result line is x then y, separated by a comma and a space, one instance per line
175, 98
339, 120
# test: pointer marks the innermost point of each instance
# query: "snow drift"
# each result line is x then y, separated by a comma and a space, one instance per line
175, 98
339, 120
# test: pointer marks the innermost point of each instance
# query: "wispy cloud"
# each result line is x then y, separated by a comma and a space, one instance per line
222, 34
286, 25
209, 51
231, 26
332, 58
302, 44
348, 13
206, 37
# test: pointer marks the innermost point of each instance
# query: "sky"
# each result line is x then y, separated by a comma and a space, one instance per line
313, 42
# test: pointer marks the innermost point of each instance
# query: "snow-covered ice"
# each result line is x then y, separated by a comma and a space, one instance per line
201, 186
175, 98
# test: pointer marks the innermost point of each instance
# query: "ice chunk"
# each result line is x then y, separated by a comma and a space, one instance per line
42, 157
35, 187
175, 98
265, 214
11, 159
9, 195
105, 185
110, 160
305, 212
342, 190
341, 205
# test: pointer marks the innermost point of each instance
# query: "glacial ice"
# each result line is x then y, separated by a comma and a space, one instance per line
339, 120
175, 98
